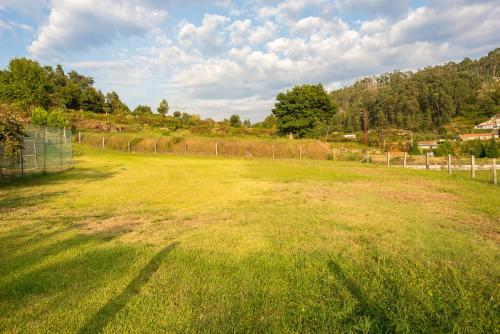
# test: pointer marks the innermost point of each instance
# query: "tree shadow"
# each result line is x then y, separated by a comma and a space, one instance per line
113, 306
365, 307
80, 174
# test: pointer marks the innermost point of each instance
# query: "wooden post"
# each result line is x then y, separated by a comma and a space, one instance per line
333, 154
473, 166
61, 150
185, 149
449, 164
495, 181
64, 129
21, 161
216, 149
156, 147
128, 145
367, 156
103, 141
35, 153
79, 137
273, 151
300, 152
388, 159
427, 160
45, 151
404, 159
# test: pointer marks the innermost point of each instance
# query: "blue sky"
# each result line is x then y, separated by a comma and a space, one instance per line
216, 58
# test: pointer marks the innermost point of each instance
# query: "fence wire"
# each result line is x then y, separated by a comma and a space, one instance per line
44, 150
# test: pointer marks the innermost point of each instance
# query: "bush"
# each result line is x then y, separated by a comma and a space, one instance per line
474, 147
11, 133
444, 149
53, 119
491, 149
414, 150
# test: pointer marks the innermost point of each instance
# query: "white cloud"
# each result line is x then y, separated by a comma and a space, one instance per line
209, 36
79, 25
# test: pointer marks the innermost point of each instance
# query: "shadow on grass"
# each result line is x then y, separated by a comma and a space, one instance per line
365, 308
108, 311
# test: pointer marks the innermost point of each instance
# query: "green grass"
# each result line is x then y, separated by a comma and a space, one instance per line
137, 243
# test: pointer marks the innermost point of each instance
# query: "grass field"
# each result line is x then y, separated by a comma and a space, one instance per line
138, 243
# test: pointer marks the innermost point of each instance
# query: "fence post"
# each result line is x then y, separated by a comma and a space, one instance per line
21, 161
427, 160
495, 181
185, 149
79, 137
273, 151
35, 153
216, 149
64, 129
404, 159
103, 141
333, 154
449, 164
388, 159
61, 149
300, 152
45, 151
473, 166
156, 147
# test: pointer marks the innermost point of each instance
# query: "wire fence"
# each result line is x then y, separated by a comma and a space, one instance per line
44, 150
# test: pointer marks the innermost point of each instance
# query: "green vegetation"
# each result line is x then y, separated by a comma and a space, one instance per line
480, 149
11, 133
426, 100
304, 110
54, 118
135, 243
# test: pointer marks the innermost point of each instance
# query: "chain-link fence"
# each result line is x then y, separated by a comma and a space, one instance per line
44, 150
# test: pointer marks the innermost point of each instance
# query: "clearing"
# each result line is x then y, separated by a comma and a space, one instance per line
144, 243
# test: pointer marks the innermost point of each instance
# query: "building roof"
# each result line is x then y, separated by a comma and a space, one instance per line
492, 121
471, 135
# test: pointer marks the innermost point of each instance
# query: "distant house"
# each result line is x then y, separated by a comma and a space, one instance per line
478, 136
429, 145
491, 124
350, 136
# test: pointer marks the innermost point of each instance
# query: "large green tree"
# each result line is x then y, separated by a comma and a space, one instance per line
303, 108
24, 83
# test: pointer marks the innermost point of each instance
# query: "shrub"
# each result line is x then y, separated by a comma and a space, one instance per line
474, 147
11, 133
53, 119
444, 149
492, 150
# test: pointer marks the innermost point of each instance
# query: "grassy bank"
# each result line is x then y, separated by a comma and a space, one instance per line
143, 243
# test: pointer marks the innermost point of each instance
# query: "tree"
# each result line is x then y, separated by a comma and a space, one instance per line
142, 110
177, 114
24, 83
11, 133
247, 123
235, 121
115, 105
163, 107
299, 110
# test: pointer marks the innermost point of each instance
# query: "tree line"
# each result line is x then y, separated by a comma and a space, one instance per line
425, 100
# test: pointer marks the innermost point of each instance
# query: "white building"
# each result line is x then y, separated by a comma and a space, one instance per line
491, 124
478, 136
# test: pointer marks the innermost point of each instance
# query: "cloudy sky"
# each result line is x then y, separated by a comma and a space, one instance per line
221, 57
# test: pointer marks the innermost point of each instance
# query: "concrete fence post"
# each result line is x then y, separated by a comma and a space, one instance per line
388, 159
79, 137
64, 129
300, 152
449, 164
273, 152
128, 145
427, 160
473, 166
216, 149
495, 181
404, 159
103, 142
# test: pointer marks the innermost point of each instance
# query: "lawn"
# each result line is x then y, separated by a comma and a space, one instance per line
145, 243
